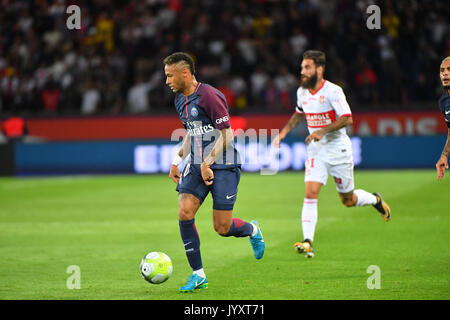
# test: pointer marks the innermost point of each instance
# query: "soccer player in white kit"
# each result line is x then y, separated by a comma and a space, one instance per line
329, 149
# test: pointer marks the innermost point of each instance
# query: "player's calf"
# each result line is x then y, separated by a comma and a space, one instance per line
238, 228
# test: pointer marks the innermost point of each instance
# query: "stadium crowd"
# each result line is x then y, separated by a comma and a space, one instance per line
251, 50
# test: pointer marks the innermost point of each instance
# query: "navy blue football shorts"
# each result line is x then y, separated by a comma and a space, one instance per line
223, 190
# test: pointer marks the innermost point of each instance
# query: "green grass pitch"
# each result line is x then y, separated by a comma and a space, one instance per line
106, 224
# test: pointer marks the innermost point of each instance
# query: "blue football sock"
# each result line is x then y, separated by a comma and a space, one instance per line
191, 242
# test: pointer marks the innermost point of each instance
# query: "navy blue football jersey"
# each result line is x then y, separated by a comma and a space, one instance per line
204, 113
444, 105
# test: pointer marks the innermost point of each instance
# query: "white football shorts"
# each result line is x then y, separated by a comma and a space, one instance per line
318, 170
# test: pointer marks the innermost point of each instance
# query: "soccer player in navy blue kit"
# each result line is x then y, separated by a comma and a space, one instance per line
214, 165
444, 105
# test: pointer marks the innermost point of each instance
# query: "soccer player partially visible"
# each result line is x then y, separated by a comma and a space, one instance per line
329, 149
444, 105
214, 165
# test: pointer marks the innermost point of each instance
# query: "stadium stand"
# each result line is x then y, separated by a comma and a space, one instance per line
249, 49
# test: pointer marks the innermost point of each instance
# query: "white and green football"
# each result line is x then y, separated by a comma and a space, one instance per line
156, 267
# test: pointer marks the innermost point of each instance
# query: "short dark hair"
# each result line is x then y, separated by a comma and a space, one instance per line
180, 57
317, 56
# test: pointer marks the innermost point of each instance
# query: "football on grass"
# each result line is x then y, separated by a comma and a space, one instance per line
156, 267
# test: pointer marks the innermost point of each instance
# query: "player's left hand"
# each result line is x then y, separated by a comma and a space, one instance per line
316, 136
174, 174
441, 165
207, 174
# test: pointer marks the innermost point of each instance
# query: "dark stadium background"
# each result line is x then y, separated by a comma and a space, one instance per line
92, 98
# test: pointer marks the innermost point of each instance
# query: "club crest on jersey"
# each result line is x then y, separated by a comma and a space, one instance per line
322, 99
194, 112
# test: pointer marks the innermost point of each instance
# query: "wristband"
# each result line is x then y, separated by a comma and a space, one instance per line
177, 160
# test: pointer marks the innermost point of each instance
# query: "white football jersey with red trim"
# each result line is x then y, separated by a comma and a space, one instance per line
321, 108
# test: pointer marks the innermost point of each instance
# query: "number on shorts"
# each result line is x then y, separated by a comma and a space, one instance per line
337, 180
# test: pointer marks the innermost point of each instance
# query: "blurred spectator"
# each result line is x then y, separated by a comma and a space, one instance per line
138, 95
9, 87
239, 87
298, 41
366, 82
50, 96
90, 99
391, 22
137, 99
271, 96
258, 82
285, 83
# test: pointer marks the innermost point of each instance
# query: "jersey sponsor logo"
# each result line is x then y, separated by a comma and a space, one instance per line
196, 128
198, 131
321, 119
223, 119
322, 99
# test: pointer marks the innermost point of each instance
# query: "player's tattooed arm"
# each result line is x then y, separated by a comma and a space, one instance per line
446, 151
338, 124
185, 147
226, 138
442, 163
293, 122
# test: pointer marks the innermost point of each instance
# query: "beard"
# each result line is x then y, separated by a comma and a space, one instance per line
310, 82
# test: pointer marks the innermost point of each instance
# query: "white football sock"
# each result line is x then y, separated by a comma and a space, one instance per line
309, 218
364, 198
200, 272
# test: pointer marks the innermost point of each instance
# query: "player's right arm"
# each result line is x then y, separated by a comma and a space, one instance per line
442, 164
293, 122
174, 172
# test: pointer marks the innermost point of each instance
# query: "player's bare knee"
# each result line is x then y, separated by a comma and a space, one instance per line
311, 194
185, 214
